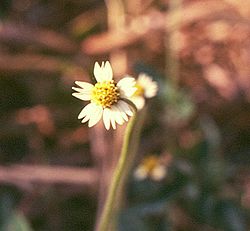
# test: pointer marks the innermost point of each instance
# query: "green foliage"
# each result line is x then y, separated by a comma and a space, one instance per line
4, 8
179, 105
196, 185
16, 222
11, 219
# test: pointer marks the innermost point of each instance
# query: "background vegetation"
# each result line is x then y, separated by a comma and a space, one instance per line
54, 171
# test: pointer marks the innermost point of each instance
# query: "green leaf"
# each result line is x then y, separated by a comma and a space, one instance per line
5, 7
129, 221
17, 222
146, 217
230, 216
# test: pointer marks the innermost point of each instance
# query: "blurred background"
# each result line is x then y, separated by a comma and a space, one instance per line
54, 171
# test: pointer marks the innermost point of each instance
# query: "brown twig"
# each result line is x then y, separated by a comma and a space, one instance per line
142, 25
27, 175
36, 63
46, 39
29, 62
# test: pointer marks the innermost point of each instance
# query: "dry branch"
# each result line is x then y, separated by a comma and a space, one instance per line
142, 25
27, 175
33, 62
22, 34
29, 62
112, 40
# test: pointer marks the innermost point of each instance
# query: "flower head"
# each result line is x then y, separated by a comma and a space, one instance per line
105, 97
151, 167
145, 88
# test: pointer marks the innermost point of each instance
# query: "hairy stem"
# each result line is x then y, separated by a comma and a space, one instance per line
109, 206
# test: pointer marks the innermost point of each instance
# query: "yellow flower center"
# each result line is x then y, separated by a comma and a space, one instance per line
150, 163
105, 93
139, 90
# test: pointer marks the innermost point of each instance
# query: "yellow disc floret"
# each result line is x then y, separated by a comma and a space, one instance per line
150, 162
105, 93
139, 90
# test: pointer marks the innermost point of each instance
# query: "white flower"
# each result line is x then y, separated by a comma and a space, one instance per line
150, 167
105, 97
146, 88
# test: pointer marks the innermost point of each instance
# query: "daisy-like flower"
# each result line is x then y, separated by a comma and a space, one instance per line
105, 97
151, 167
146, 88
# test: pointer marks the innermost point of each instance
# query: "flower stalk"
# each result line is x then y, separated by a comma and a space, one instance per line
120, 175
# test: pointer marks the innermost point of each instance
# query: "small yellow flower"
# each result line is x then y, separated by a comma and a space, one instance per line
150, 167
146, 88
105, 97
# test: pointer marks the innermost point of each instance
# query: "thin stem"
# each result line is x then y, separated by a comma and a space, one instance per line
172, 40
116, 181
133, 147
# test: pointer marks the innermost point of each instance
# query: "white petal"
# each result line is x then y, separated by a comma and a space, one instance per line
84, 85
106, 118
82, 96
139, 101
151, 91
86, 118
127, 86
122, 113
98, 72
118, 115
107, 72
125, 107
96, 115
83, 91
86, 111
77, 89
140, 173
158, 173
91, 113
112, 119
143, 77
126, 81
119, 119
103, 72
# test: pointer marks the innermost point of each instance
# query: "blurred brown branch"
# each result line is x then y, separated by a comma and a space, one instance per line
154, 20
26, 175
86, 22
34, 62
109, 41
29, 62
46, 39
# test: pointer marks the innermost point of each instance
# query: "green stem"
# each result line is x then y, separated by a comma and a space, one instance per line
116, 180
